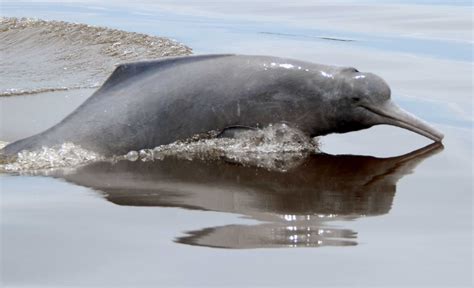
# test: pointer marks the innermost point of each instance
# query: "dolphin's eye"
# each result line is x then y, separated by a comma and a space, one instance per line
350, 70
355, 99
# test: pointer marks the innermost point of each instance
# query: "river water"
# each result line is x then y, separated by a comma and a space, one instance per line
380, 207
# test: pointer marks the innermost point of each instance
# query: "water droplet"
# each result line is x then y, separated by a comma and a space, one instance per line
146, 155
132, 156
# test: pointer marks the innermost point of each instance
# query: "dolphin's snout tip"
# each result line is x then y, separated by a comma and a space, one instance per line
434, 134
426, 130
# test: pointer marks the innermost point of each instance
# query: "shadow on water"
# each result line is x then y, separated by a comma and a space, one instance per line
296, 207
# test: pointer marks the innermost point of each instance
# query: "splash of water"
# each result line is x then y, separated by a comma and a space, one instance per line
276, 147
65, 155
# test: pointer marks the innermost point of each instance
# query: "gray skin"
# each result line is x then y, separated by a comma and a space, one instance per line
146, 104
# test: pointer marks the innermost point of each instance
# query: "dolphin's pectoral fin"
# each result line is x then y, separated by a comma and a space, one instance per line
234, 131
127, 71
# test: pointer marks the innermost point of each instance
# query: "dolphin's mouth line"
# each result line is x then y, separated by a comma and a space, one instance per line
393, 115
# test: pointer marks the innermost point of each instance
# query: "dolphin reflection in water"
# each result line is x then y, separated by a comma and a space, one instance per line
296, 207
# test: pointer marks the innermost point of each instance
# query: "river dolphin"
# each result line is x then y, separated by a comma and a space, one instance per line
147, 104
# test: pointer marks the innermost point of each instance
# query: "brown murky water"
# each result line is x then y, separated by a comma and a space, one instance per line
381, 207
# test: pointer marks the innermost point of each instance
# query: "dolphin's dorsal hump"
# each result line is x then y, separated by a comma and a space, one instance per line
127, 71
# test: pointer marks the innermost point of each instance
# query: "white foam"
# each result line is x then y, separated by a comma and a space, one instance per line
65, 155
276, 147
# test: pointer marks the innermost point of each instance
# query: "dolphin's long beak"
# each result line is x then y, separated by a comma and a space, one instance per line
392, 114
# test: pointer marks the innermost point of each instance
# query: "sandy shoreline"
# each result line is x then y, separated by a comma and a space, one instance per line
60, 56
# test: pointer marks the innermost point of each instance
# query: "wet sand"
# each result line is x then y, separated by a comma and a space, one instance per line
149, 225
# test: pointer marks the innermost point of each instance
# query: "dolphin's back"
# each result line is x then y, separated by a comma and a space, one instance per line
146, 104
